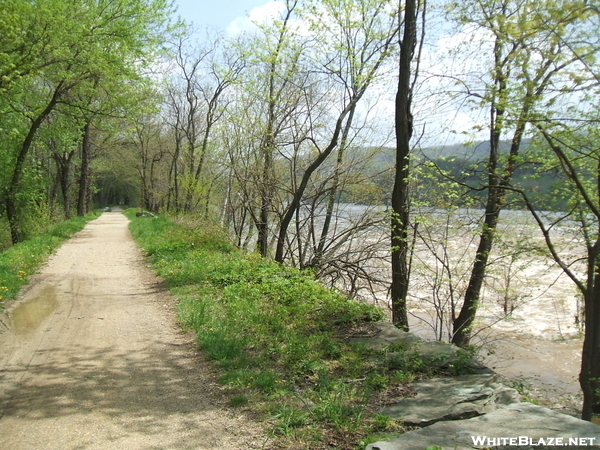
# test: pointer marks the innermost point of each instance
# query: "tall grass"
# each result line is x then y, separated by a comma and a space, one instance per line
20, 261
275, 333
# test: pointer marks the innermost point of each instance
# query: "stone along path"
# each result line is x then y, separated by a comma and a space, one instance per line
91, 358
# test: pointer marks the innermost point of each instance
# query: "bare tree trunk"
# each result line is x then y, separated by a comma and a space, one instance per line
400, 194
334, 190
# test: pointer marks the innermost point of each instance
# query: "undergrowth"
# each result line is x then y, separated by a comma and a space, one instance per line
278, 337
20, 261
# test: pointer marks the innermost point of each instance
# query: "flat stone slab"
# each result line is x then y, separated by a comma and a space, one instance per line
452, 398
400, 346
526, 424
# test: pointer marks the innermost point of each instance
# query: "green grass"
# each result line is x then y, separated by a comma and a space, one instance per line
20, 261
276, 334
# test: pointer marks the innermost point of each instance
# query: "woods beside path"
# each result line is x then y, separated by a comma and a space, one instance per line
91, 358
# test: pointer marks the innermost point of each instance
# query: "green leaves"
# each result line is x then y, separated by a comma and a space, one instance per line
62, 64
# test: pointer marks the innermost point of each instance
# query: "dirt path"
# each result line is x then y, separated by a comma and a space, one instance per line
91, 358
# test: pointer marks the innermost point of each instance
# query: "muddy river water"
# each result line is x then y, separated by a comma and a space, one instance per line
537, 347
527, 325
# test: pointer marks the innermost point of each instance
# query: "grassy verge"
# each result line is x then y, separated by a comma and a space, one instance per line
20, 261
279, 338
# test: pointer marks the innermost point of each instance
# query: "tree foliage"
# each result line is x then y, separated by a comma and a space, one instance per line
69, 57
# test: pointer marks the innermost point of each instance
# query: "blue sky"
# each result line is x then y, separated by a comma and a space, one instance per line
227, 15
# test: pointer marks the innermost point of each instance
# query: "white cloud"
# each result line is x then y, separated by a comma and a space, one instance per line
259, 15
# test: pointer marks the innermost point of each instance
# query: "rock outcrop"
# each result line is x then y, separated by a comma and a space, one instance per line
452, 398
530, 427
397, 345
466, 412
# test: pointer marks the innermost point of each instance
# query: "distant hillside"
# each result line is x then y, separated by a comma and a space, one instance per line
476, 151
464, 162
472, 152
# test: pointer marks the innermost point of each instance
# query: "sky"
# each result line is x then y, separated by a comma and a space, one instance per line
235, 16
226, 15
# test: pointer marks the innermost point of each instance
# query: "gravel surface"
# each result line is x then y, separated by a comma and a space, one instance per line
91, 358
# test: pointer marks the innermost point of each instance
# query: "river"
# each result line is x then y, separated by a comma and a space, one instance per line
527, 327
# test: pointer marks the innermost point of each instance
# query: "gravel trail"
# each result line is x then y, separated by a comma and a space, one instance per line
91, 358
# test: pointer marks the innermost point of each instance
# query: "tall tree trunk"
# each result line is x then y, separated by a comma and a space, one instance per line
266, 197
535, 82
84, 178
463, 324
13, 188
267, 188
400, 194
173, 201
589, 376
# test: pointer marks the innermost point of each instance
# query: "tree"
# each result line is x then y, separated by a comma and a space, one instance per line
29, 35
62, 144
577, 154
400, 226
281, 58
196, 94
150, 144
526, 58
354, 39
568, 142
14, 185
67, 45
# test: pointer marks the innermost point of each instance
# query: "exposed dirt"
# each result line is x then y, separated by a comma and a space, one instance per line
91, 358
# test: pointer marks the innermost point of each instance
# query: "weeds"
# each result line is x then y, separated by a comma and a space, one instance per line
524, 386
238, 400
288, 419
